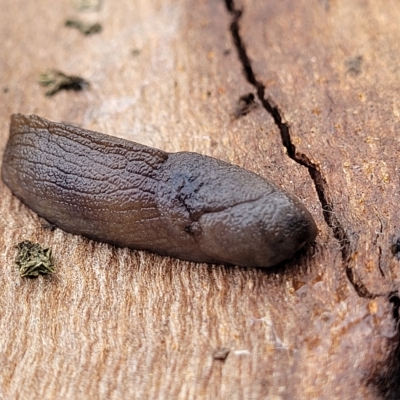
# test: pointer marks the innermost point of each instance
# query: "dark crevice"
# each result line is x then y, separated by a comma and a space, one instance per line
380, 251
395, 300
284, 129
376, 243
395, 248
358, 286
245, 105
379, 261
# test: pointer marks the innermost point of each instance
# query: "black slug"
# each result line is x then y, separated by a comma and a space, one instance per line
184, 205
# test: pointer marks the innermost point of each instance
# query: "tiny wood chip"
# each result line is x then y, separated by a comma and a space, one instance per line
221, 353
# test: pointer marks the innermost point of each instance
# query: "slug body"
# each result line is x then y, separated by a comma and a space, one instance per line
184, 205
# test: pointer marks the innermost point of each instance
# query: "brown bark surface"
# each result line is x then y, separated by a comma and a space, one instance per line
121, 324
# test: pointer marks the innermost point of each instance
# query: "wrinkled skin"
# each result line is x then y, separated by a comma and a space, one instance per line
184, 204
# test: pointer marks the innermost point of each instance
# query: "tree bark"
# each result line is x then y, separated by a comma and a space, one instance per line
302, 93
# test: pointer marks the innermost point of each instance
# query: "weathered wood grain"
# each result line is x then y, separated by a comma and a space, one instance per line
115, 323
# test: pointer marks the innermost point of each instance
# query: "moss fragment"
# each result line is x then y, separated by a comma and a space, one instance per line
33, 260
56, 80
87, 28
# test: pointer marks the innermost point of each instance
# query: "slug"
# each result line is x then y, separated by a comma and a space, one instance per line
184, 205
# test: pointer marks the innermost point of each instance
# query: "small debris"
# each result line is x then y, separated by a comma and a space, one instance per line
88, 5
86, 28
57, 80
221, 353
242, 353
33, 260
246, 104
135, 52
354, 64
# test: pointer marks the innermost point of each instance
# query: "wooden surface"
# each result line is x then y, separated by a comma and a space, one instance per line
121, 324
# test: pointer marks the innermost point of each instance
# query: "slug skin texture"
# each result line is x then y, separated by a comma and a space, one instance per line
183, 205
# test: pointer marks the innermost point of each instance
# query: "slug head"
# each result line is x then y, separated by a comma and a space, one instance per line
261, 233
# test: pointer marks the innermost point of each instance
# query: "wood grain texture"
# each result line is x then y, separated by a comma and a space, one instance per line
115, 323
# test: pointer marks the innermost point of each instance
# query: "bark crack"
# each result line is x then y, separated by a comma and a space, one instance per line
388, 384
320, 184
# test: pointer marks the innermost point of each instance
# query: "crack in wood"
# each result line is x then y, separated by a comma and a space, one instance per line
378, 234
320, 183
317, 177
359, 287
